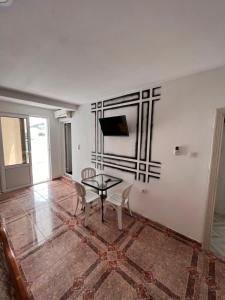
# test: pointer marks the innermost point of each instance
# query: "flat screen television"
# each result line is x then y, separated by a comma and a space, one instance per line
114, 126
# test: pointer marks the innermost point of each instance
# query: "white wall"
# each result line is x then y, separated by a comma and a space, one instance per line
55, 130
81, 135
220, 193
184, 116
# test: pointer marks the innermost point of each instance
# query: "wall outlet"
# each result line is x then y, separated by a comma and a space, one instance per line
144, 191
177, 150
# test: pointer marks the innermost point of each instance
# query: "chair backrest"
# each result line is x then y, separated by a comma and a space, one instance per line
87, 172
81, 192
126, 192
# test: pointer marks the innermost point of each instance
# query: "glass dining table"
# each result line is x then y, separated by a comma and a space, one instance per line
102, 182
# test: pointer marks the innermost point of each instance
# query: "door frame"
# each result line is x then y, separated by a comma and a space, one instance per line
214, 173
64, 150
2, 163
49, 146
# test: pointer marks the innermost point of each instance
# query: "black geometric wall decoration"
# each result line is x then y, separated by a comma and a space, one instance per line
93, 105
136, 105
152, 176
99, 132
151, 130
141, 177
120, 162
154, 169
95, 132
144, 130
145, 94
123, 170
156, 92
140, 162
142, 167
122, 99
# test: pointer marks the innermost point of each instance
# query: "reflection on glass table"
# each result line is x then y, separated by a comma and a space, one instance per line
102, 182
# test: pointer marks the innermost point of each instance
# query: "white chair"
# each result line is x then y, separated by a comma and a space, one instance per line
118, 201
86, 198
87, 173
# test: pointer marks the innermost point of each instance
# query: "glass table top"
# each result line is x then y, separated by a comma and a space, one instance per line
102, 182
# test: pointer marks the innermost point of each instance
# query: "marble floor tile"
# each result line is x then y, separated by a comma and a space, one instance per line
68, 204
108, 231
150, 242
115, 287
24, 234
45, 220
32, 201
10, 209
62, 259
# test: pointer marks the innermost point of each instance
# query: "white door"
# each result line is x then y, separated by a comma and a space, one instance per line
15, 155
40, 149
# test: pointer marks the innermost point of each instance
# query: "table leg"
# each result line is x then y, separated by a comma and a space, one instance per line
102, 199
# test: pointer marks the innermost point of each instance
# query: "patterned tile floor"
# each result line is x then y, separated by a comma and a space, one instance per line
61, 259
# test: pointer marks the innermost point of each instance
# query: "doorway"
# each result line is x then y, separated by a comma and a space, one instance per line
217, 242
214, 239
68, 149
40, 149
15, 155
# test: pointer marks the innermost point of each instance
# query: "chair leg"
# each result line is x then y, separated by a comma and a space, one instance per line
128, 205
86, 214
78, 200
119, 216
105, 209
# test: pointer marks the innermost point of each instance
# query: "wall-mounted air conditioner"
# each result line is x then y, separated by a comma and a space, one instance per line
62, 114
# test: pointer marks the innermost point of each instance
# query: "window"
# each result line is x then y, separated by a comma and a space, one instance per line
15, 141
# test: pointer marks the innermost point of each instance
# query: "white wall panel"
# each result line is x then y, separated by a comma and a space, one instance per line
184, 116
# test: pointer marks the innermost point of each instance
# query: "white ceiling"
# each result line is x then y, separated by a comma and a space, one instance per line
82, 50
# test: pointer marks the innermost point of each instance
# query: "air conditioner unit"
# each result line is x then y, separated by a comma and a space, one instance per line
62, 113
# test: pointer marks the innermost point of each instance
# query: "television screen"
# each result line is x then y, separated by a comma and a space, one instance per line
114, 126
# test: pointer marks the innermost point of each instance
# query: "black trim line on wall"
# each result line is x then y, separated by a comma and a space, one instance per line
129, 171
155, 162
151, 130
94, 163
121, 161
146, 94
150, 168
125, 98
146, 131
93, 105
152, 176
94, 151
141, 177
137, 132
99, 134
154, 91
